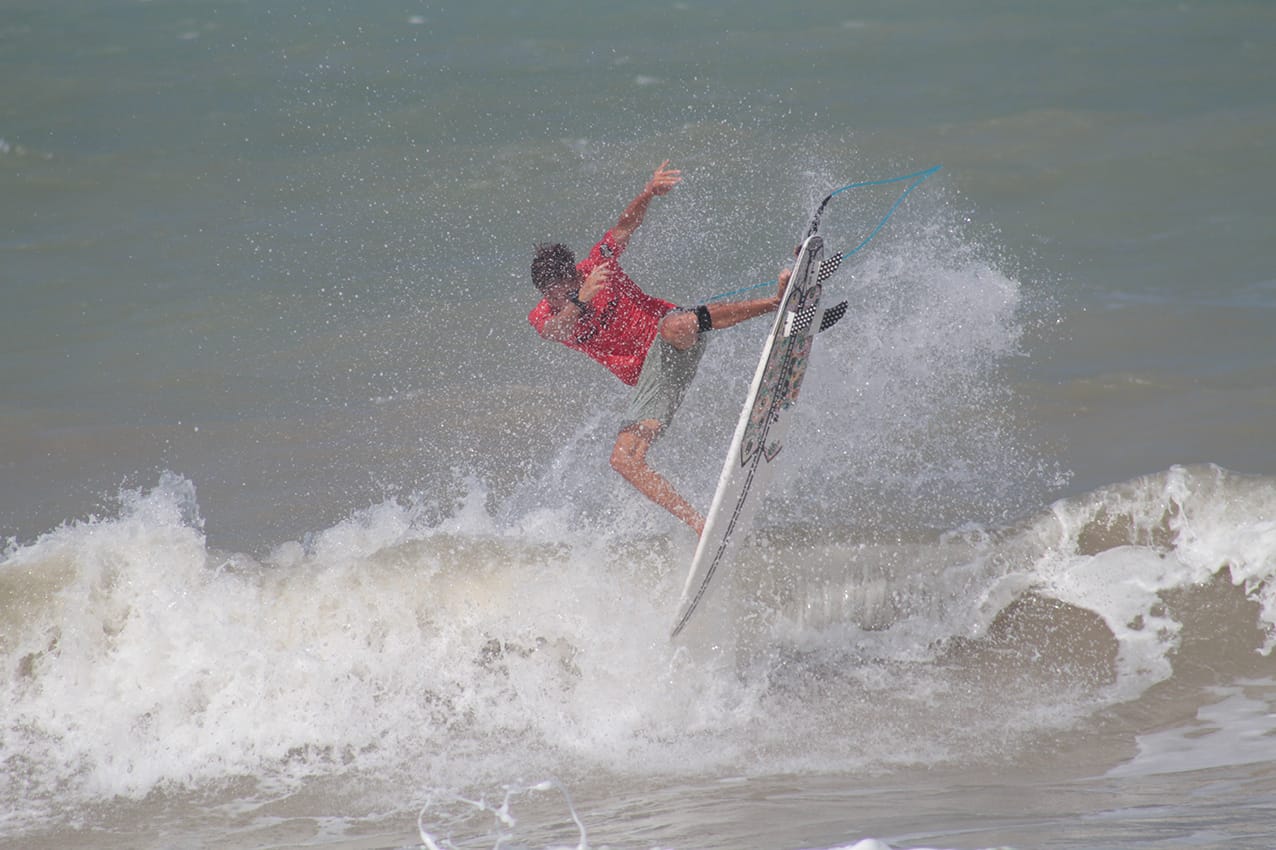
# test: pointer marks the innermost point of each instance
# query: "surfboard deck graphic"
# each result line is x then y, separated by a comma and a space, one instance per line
759, 433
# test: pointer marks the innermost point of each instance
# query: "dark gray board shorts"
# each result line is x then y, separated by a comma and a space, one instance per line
666, 374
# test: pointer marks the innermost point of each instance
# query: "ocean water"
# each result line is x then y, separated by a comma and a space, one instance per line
307, 540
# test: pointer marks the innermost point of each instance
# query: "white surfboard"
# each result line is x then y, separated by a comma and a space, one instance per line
759, 435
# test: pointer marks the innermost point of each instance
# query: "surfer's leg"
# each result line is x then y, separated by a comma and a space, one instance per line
666, 375
629, 458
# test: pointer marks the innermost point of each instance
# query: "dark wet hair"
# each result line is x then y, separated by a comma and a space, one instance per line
552, 263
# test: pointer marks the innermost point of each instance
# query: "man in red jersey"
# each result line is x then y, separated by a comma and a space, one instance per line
648, 343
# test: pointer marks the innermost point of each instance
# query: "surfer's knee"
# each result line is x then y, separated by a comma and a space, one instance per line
629, 454
681, 329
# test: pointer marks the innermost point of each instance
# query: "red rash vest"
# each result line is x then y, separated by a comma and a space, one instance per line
621, 321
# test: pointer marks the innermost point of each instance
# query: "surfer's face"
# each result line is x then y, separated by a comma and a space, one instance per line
556, 293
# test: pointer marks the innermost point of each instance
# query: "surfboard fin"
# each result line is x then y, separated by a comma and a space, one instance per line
832, 316
802, 319
827, 267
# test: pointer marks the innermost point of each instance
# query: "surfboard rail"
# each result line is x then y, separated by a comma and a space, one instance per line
764, 418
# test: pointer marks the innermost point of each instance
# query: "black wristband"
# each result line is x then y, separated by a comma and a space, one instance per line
574, 297
703, 320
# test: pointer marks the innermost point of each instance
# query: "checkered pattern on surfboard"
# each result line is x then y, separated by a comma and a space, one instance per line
801, 320
827, 267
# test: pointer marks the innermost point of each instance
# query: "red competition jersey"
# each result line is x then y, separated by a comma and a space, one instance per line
621, 321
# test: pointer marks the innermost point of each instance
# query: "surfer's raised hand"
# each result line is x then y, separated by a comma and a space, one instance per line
664, 179
660, 183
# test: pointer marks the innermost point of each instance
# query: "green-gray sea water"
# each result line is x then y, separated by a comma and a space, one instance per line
307, 539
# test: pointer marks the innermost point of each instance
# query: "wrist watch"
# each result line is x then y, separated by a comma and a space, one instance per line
574, 297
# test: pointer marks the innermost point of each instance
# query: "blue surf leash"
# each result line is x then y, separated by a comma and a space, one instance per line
830, 265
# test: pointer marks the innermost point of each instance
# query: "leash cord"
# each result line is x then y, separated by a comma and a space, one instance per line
830, 265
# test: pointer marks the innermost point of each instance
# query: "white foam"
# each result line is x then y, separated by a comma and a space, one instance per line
449, 821
156, 661
1239, 728
1182, 529
1122, 585
478, 647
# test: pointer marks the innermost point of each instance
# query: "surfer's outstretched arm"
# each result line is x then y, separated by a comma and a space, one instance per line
729, 313
660, 183
681, 329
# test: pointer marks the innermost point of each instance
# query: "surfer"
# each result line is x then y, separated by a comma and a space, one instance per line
650, 344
